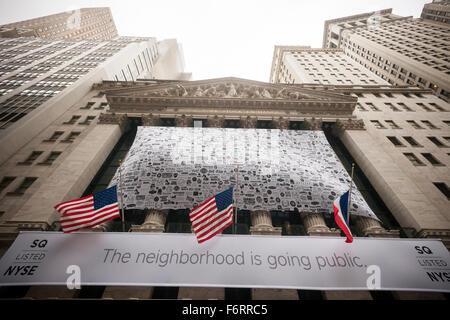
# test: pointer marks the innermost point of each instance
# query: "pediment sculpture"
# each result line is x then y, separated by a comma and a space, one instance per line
229, 90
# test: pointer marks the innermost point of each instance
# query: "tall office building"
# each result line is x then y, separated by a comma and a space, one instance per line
400, 50
438, 10
84, 23
297, 64
40, 78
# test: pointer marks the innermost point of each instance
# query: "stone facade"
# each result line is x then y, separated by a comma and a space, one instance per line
354, 131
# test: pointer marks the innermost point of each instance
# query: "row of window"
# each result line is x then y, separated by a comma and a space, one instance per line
20, 190
400, 106
68, 139
48, 161
396, 142
377, 124
89, 105
75, 118
417, 162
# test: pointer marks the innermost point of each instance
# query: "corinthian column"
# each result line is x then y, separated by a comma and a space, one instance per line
281, 123
315, 225
154, 222
372, 228
151, 120
184, 121
313, 124
248, 122
262, 224
215, 122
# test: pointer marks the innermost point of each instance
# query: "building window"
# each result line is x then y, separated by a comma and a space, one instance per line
395, 142
414, 160
412, 142
429, 124
432, 86
87, 121
371, 106
55, 136
29, 161
359, 107
26, 183
438, 107
424, 107
72, 120
6, 181
432, 159
392, 107
71, 137
404, 106
88, 105
392, 124
443, 188
49, 160
102, 106
377, 124
414, 124
437, 142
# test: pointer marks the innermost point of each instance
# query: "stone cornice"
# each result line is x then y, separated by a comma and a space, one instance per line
349, 124
348, 18
113, 118
229, 94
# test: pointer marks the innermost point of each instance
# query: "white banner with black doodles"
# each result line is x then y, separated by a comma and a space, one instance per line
152, 259
179, 168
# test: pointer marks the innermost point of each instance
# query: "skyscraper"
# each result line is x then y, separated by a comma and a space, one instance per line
84, 23
400, 50
438, 10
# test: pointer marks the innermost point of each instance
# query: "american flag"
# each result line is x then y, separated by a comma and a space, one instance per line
212, 216
89, 211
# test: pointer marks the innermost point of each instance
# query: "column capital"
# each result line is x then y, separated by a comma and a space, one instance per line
33, 226
150, 120
103, 227
154, 221
113, 118
313, 124
215, 121
184, 121
248, 122
443, 234
281, 123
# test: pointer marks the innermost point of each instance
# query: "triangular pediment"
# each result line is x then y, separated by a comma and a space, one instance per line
228, 88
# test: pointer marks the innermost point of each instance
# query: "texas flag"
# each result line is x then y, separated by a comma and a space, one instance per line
341, 215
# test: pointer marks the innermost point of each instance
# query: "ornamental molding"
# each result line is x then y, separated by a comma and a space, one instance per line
113, 118
349, 124
228, 93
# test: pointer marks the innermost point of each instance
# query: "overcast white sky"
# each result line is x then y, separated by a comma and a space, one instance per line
220, 38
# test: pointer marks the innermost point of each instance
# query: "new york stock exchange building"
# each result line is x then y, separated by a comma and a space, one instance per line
286, 150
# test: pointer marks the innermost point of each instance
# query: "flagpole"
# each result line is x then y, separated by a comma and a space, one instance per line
235, 201
121, 195
350, 195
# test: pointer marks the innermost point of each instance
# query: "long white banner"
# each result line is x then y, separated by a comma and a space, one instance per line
161, 259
